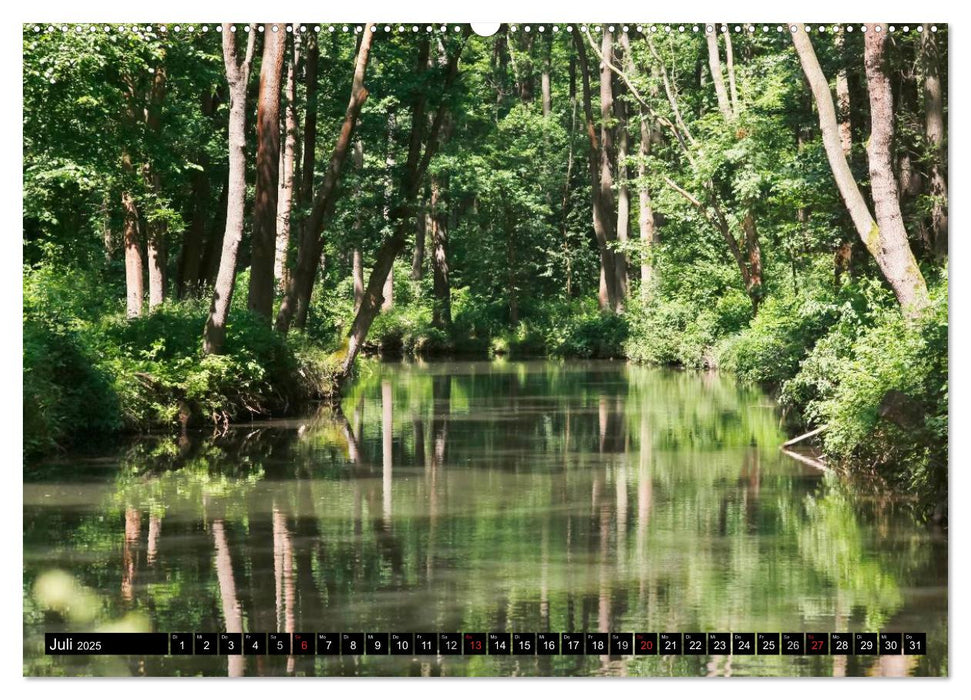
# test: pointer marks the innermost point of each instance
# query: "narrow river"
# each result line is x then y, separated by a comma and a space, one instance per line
480, 497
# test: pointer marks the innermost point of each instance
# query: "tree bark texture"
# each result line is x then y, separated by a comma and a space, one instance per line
887, 245
267, 172
237, 76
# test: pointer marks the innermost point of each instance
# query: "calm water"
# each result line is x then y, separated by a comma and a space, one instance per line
478, 496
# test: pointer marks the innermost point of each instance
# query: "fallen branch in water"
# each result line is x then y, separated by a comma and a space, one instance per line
817, 431
815, 463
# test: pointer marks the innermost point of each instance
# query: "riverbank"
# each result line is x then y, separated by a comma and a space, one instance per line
844, 359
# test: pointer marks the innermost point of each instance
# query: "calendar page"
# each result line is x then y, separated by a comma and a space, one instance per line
516, 349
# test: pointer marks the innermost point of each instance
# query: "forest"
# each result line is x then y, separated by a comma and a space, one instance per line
223, 223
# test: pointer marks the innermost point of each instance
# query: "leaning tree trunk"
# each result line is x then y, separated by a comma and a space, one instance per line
902, 270
886, 243
237, 75
267, 172
310, 122
402, 215
301, 282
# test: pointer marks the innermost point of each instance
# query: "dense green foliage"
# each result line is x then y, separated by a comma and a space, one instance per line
754, 264
86, 374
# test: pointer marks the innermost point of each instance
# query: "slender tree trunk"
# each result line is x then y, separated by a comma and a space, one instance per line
358, 272
934, 130
753, 251
844, 253
730, 66
357, 263
237, 75
602, 210
623, 198
714, 64
442, 309
190, 257
608, 163
310, 123
545, 79
267, 172
214, 239
301, 282
157, 255
287, 162
887, 243
134, 284
843, 99
414, 172
645, 218
418, 259
387, 291
157, 228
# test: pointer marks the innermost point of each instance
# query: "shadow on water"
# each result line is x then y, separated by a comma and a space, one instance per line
476, 496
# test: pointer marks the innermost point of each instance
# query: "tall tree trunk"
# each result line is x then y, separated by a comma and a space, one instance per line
910, 288
134, 284
730, 66
357, 264
237, 76
157, 228
442, 309
753, 252
301, 282
402, 215
287, 162
545, 78
623, 197
608, 164
645, 214
190, 256
602, 198
157, 253
418, 259
843, 98
387, 291
714, 64
934, 130
358, 271
214, 239
310, 123
267, 172
887, 243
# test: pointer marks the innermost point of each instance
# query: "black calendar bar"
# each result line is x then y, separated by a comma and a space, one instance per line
483, 643
101, 643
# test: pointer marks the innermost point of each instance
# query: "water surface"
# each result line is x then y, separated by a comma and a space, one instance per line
477, 496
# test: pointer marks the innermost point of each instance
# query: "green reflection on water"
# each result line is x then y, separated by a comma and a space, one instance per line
472, 496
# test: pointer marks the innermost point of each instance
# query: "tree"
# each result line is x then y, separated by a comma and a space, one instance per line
237, 77
402, 215
287, 167
934, 132
600, 191
267, 172
301, 282
885, 238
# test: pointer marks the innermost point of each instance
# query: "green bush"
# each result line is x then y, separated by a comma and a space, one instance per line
770, 349
671, 332
885, 401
